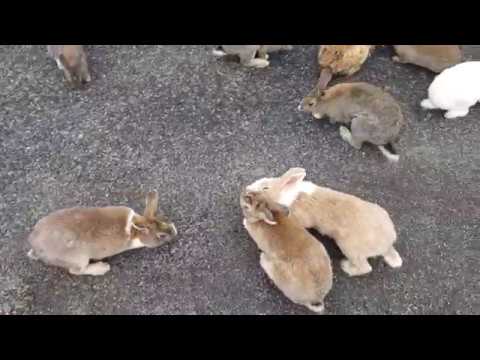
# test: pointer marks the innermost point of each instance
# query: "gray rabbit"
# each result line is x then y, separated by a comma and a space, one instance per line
373, 114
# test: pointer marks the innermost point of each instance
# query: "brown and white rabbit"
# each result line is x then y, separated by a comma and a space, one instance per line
374, 115
360, 228
293, 259
70, 238
341, 60
73, 61
433, 57
250, 55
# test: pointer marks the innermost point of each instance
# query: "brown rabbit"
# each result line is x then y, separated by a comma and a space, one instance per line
293, 259
360, 228
73, 61
70, 238
433, 57
341, 60
373, 114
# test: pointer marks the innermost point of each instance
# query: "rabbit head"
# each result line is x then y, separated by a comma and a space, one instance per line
284, 189
153, 228
258, 206
319, 102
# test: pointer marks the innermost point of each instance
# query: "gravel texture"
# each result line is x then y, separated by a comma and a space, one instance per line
197, 129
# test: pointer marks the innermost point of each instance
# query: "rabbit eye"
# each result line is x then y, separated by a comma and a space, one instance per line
265, 188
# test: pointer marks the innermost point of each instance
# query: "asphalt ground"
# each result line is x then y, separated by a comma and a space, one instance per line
176, 119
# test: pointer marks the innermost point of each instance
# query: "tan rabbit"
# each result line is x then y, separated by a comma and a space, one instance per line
341, 60
360, 228
293, 259
433, 57
250, 55
70, 238
73, 61
374, 115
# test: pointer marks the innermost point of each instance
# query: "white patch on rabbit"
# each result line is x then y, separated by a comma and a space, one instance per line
59, 63
288, 197
319, 309
135, 244
390, 156
307, 187
218, 53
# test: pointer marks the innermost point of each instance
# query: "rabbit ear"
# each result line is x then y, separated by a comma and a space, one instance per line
325, 77
140, 228
292, 177
249, 196
268, 216
151, 204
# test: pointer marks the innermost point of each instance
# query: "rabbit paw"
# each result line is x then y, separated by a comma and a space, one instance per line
95, 269
393, 259
359, 268
259, 63
452, 114
427, 104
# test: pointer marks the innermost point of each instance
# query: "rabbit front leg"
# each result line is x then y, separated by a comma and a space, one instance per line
248, 59
428, 104
346, 135
355, 267
452, 114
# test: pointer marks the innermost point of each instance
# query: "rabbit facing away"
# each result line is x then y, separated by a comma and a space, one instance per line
292, 258
373, 114
361, 229
455, 90
341, 60
73, 61
250, 55
70, 238
433, 57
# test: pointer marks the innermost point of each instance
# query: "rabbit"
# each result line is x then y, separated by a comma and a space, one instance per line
433, 57
455, 89
360, 228
341, 60
70, 238
250, 55
374, 114
73, 61
293, 259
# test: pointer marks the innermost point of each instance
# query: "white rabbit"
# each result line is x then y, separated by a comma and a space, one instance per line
456, 89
